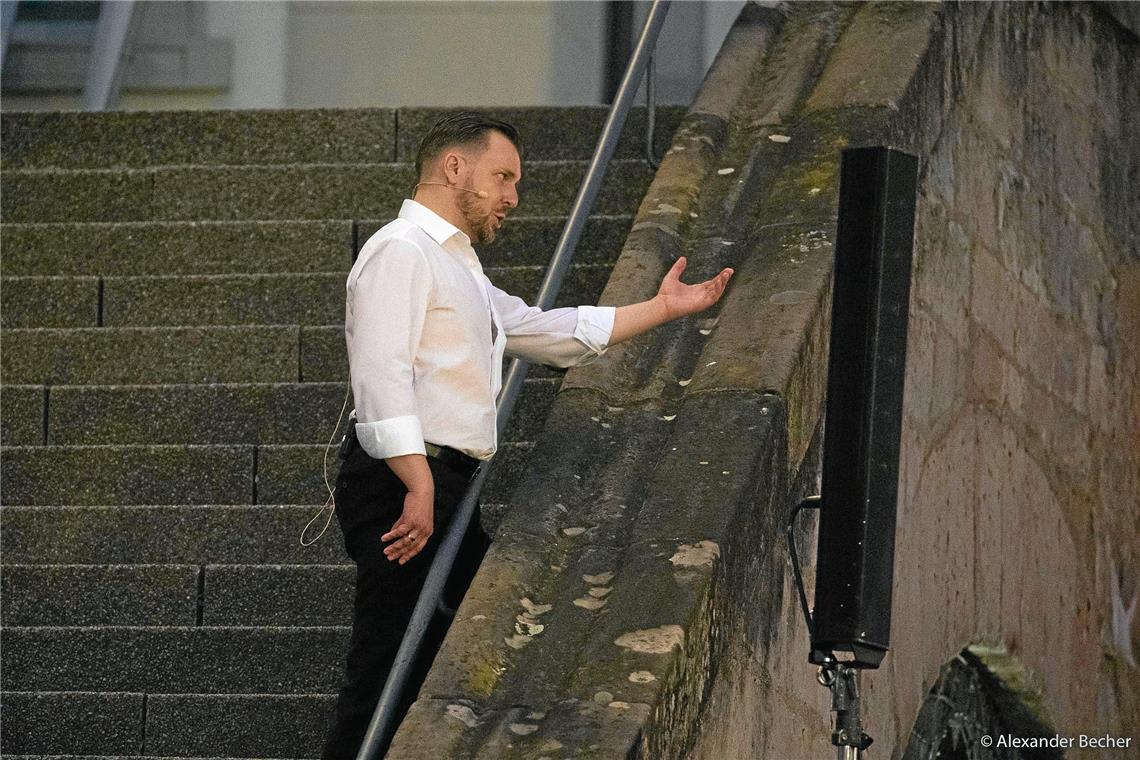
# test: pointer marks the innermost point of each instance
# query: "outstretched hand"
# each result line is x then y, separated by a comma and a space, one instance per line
674, 299
681, 299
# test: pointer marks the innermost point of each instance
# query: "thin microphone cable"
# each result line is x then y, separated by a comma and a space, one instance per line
330, 502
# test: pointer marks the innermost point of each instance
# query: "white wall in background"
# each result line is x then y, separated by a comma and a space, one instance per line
420, 53
258, 32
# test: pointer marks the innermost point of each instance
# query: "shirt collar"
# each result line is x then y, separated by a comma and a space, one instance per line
439, 229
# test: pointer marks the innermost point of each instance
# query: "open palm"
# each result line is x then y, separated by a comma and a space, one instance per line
681, 299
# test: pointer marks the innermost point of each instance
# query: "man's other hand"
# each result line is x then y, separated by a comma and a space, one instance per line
411, 532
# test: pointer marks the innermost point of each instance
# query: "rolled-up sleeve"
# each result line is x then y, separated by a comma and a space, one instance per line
563, 337
387, 301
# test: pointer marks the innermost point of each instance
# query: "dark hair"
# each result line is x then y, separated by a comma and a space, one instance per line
464, 128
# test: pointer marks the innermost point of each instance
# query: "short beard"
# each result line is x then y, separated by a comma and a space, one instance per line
478, 221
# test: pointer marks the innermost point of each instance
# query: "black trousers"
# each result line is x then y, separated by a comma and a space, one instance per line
369, 500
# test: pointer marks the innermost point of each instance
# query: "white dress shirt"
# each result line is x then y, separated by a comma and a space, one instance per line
427, 331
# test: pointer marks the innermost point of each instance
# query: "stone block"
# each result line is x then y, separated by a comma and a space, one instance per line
22, 415
569, 494
165, 248
209, 660
552, 133
73, 140
278, 595
91, 595
292, 474
72, 723
993, 300
242, 725
941, 274
166, 534
277, 299
704, 479
201, 414
50, 302
570, 727
513, 637
85, 196
89, 475
100, 356
324, 355
865, 67
280, 192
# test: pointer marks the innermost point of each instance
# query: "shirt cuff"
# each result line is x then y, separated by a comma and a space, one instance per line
595, 326
392, 437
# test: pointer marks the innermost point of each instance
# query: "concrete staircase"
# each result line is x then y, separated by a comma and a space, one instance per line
172, 366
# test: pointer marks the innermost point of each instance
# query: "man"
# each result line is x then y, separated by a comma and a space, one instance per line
426, 334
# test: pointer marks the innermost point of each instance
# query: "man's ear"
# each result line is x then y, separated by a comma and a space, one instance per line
453, 166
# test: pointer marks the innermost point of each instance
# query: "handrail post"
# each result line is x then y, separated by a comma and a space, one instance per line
383, 725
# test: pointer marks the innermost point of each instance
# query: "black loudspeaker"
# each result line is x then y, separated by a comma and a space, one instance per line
863, 418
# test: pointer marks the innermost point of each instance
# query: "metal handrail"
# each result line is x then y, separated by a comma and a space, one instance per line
382, 727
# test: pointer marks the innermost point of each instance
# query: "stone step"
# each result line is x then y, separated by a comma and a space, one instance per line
167, 534
106, 725
186, 660
162, 248
177, 595
228, 299
49, 301
192, 474
23, 413
31, 475
149, 355
335, 136
89, 595
296, 192
266, 413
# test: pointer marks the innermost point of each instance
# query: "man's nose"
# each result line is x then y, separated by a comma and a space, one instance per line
511, 196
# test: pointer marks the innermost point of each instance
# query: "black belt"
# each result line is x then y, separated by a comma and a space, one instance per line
456, 460
445, 455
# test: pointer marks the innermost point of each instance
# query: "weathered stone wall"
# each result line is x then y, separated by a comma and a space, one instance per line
1019, 511
1020, 474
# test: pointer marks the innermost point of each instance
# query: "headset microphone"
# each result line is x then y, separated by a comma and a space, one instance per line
480, 193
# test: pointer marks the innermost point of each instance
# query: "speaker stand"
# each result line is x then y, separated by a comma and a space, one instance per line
848, 736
